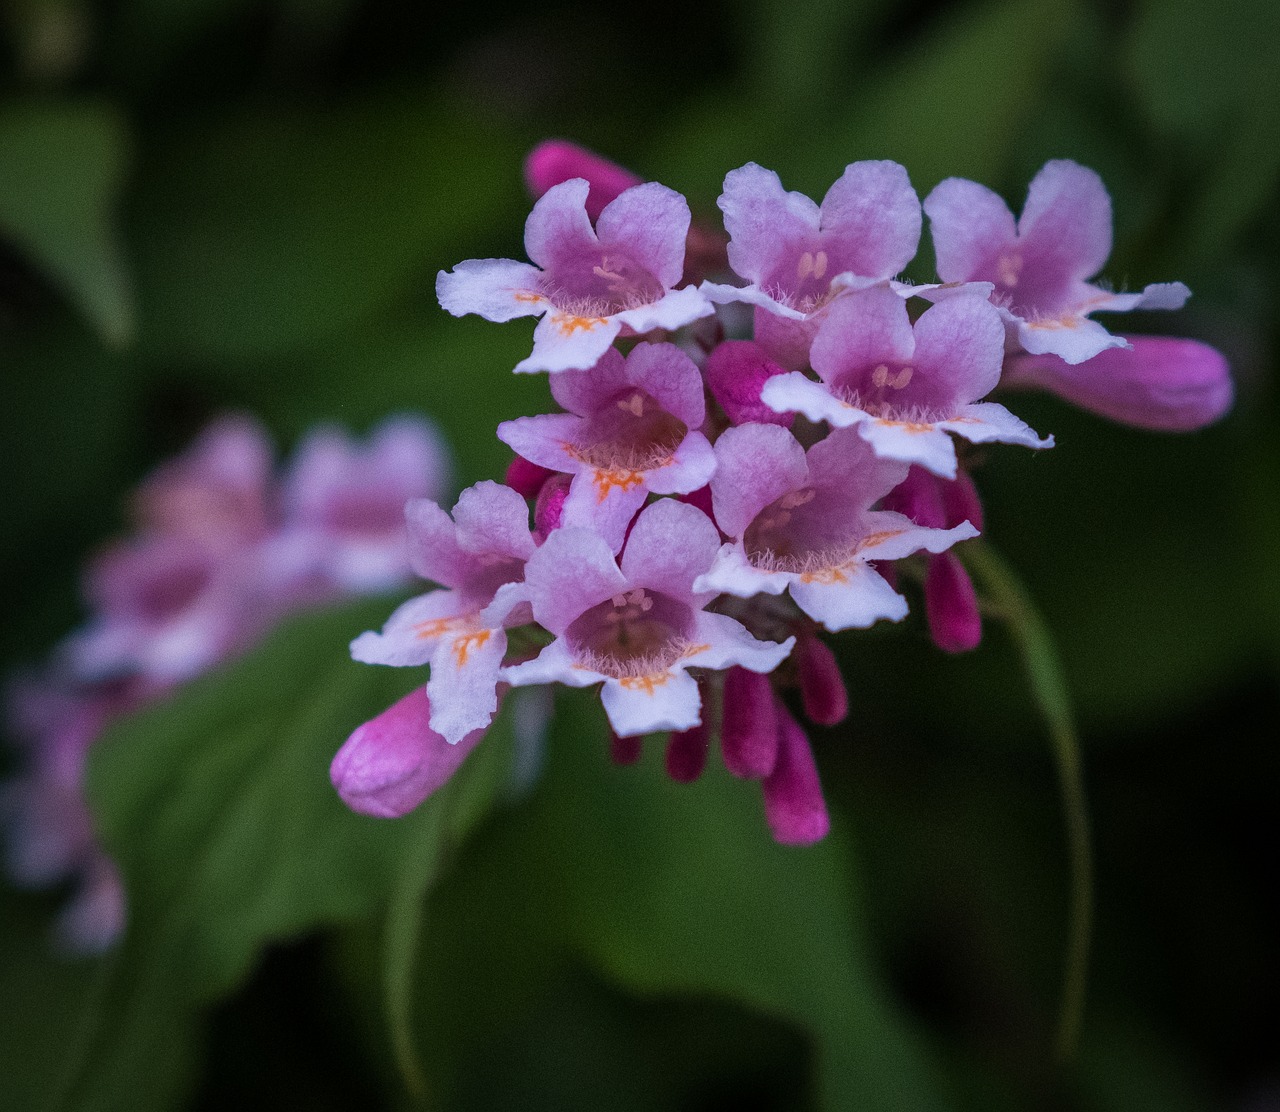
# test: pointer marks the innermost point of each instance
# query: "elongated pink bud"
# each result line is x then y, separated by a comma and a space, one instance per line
960, 502
526, 478
555, 160
822, 690
793, 802
1160, 382
624, 750
749, 727
393, 762
549, 507
736, 372
951, 605
687, 754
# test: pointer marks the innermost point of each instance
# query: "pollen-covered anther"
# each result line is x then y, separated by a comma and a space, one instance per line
1009, 268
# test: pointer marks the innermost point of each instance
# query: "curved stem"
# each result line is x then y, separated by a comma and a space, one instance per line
1044, 672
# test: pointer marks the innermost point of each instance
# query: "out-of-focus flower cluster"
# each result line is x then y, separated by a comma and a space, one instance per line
224, 546
706, 506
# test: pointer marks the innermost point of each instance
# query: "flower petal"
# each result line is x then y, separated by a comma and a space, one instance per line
853, 596
644, 704
651, 223
969, 224
755, 464
496, 289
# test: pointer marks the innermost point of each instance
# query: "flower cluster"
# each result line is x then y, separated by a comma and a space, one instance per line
223, 549
705, 505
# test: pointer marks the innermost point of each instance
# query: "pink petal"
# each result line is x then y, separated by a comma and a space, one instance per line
958, 356
671, 544
573, 571
496, 289
755, 465
584, 391
1065, 225
526, 477
871, 220
766, 224
861, 330
671, 378
493, 519
970, 224
558, 230
650, 223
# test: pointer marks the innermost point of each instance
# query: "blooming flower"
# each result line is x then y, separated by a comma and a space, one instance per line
1040, 266
906, 387
588, 284
632, 428
803, 522
480, 557
344, 504
798, 256
637, 626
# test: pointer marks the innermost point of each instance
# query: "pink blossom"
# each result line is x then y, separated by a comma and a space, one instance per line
631, 429
590, 284
1040, 267
638, 626
803, 522
797, 257
906, 387
480, 557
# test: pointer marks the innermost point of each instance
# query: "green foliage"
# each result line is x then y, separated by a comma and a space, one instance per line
218, 809
62, 169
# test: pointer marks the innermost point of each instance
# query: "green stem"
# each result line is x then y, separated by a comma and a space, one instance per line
1044, 671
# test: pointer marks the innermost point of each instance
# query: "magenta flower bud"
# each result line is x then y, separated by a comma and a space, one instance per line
549, 508
960, 502
736, 372
793, 802
526, 478
555, 160
951, 604
1158, 382
624, 750
687, 754
749, 728
822, 690
393, 762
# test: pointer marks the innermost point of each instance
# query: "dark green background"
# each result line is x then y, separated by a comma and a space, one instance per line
243, 203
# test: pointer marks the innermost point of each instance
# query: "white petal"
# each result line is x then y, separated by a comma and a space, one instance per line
644, 704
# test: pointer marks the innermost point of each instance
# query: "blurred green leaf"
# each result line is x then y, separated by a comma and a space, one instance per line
279, 228
674, 889
218, 808
62, 166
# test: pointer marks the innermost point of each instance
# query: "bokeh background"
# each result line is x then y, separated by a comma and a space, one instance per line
213, 204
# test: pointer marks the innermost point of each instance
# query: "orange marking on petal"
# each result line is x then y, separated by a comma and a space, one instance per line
1067, 320
907, 426
693, 650
873, 539
569, 323
647, 684
623, 480
528, 296
826, 576
462, 646
436, 627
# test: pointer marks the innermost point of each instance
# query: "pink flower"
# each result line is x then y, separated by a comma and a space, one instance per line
343, 527
589, 285
798, 256
554, 161
631, 429
1156, 382
906, 387
1040, 266
461, 632
637, 627
803, 522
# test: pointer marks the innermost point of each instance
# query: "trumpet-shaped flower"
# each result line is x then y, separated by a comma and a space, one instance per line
638, 625
631, 429
480, 557
589, 284
798, 256
906, 387
803, 522
1040, 266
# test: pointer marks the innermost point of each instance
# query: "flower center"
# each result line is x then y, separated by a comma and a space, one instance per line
799, 533
632, 432
883, 392
636, 633
601, 284
804, 283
